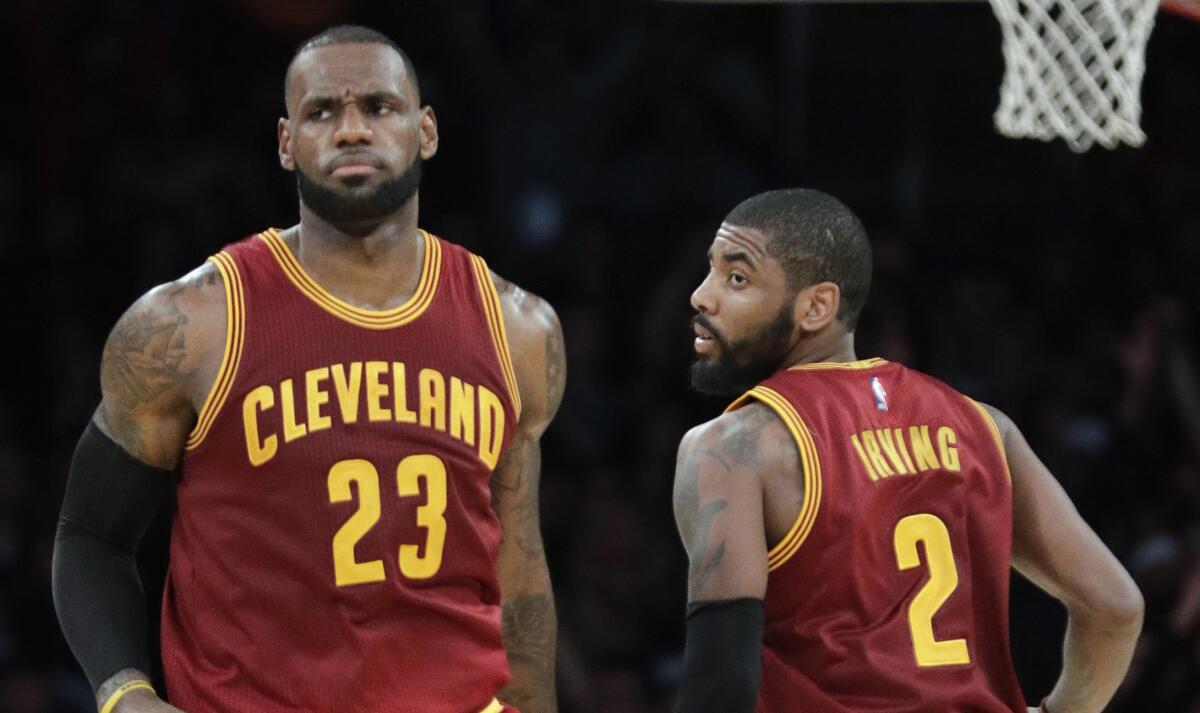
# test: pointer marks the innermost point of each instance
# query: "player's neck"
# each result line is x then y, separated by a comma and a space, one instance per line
823, 348
376, 266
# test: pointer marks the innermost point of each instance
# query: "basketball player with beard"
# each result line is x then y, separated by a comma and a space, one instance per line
851, 523
348, 411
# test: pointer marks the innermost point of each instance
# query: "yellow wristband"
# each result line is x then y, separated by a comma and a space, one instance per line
118, 694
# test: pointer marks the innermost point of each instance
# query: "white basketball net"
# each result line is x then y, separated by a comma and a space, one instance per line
1074, 69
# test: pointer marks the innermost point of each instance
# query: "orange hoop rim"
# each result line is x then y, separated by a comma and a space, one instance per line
1185, 8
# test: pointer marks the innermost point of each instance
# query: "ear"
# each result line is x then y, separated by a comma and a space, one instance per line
285, 145
817, 306
429, 133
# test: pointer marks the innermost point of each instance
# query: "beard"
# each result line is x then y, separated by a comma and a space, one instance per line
344, 208
741, 365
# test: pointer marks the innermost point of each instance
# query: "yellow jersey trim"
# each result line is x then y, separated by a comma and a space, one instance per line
803, 525
495, 319
822, 365
414, 307
494, 707
235, 339
991, 423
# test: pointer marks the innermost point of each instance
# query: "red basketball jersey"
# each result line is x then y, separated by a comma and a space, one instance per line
890, 592
335, 547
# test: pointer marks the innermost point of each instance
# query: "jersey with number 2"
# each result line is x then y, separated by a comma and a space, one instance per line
890, 592
335, 547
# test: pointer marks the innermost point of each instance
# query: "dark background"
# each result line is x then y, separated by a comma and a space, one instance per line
589, 150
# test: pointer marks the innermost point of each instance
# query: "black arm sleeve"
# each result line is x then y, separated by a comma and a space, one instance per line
111, 499
722, 660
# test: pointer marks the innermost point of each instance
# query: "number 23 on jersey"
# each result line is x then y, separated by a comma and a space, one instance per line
431, 516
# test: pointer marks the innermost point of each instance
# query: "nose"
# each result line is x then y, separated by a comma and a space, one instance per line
703, 299
352, 129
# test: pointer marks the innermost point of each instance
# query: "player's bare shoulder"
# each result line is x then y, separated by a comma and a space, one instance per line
1003, 423
536, 342
158, 363
744, 442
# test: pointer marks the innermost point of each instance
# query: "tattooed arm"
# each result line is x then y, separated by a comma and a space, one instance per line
529, 623
158, 363
725, 470
1055, 549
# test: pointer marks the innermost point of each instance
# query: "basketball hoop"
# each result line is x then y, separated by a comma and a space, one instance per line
1073, 69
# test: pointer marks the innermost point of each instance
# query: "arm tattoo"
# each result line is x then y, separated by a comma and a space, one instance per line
144, 353
514, 488
695, 521
702, 569
143, 359
739, 449
528, 620
529, 637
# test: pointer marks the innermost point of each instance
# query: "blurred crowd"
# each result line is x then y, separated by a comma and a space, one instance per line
589, 150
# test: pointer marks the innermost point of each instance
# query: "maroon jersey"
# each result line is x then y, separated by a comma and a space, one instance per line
335, 546
890, 592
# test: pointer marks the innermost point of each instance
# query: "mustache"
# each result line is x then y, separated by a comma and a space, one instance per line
703, 321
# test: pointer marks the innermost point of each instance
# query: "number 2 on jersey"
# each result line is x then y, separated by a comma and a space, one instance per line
431, 516
943, 580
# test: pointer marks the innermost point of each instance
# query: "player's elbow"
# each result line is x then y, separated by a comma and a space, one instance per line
1126, 607
1119, 606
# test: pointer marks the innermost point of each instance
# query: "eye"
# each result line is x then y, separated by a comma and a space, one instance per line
320, 114
737, 279
378, 108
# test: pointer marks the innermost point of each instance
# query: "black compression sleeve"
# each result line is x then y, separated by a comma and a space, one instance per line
111, 499
722, 659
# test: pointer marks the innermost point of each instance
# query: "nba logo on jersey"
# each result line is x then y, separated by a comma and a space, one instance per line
880, 395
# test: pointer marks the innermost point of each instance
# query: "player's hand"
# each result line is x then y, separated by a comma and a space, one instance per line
144, 701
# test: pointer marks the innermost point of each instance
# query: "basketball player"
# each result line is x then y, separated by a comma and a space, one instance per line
354, 408
850, 523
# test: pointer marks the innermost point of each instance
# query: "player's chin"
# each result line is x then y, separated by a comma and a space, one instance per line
358, 183
708, 377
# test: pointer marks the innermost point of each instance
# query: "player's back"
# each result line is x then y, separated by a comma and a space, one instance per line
890, 592
335, 548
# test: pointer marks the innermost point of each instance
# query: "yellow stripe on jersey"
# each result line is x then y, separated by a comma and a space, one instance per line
788, 546
421, 298
991, 423
495, 319
494, 707
821, 365
235, 338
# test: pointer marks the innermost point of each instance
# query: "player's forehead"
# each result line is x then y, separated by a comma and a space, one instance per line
741, 242
354, 68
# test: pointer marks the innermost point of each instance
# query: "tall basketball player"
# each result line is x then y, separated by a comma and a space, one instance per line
851, 523
349, 413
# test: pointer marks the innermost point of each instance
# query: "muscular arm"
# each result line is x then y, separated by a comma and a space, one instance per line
529, 624
157, 360
1055, 549
723, 471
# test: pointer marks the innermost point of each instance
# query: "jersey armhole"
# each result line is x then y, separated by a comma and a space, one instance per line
235, 337
995, 431
495, 319
810, 462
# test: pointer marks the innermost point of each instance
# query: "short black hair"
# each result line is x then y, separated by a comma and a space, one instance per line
817, 239
351, 34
